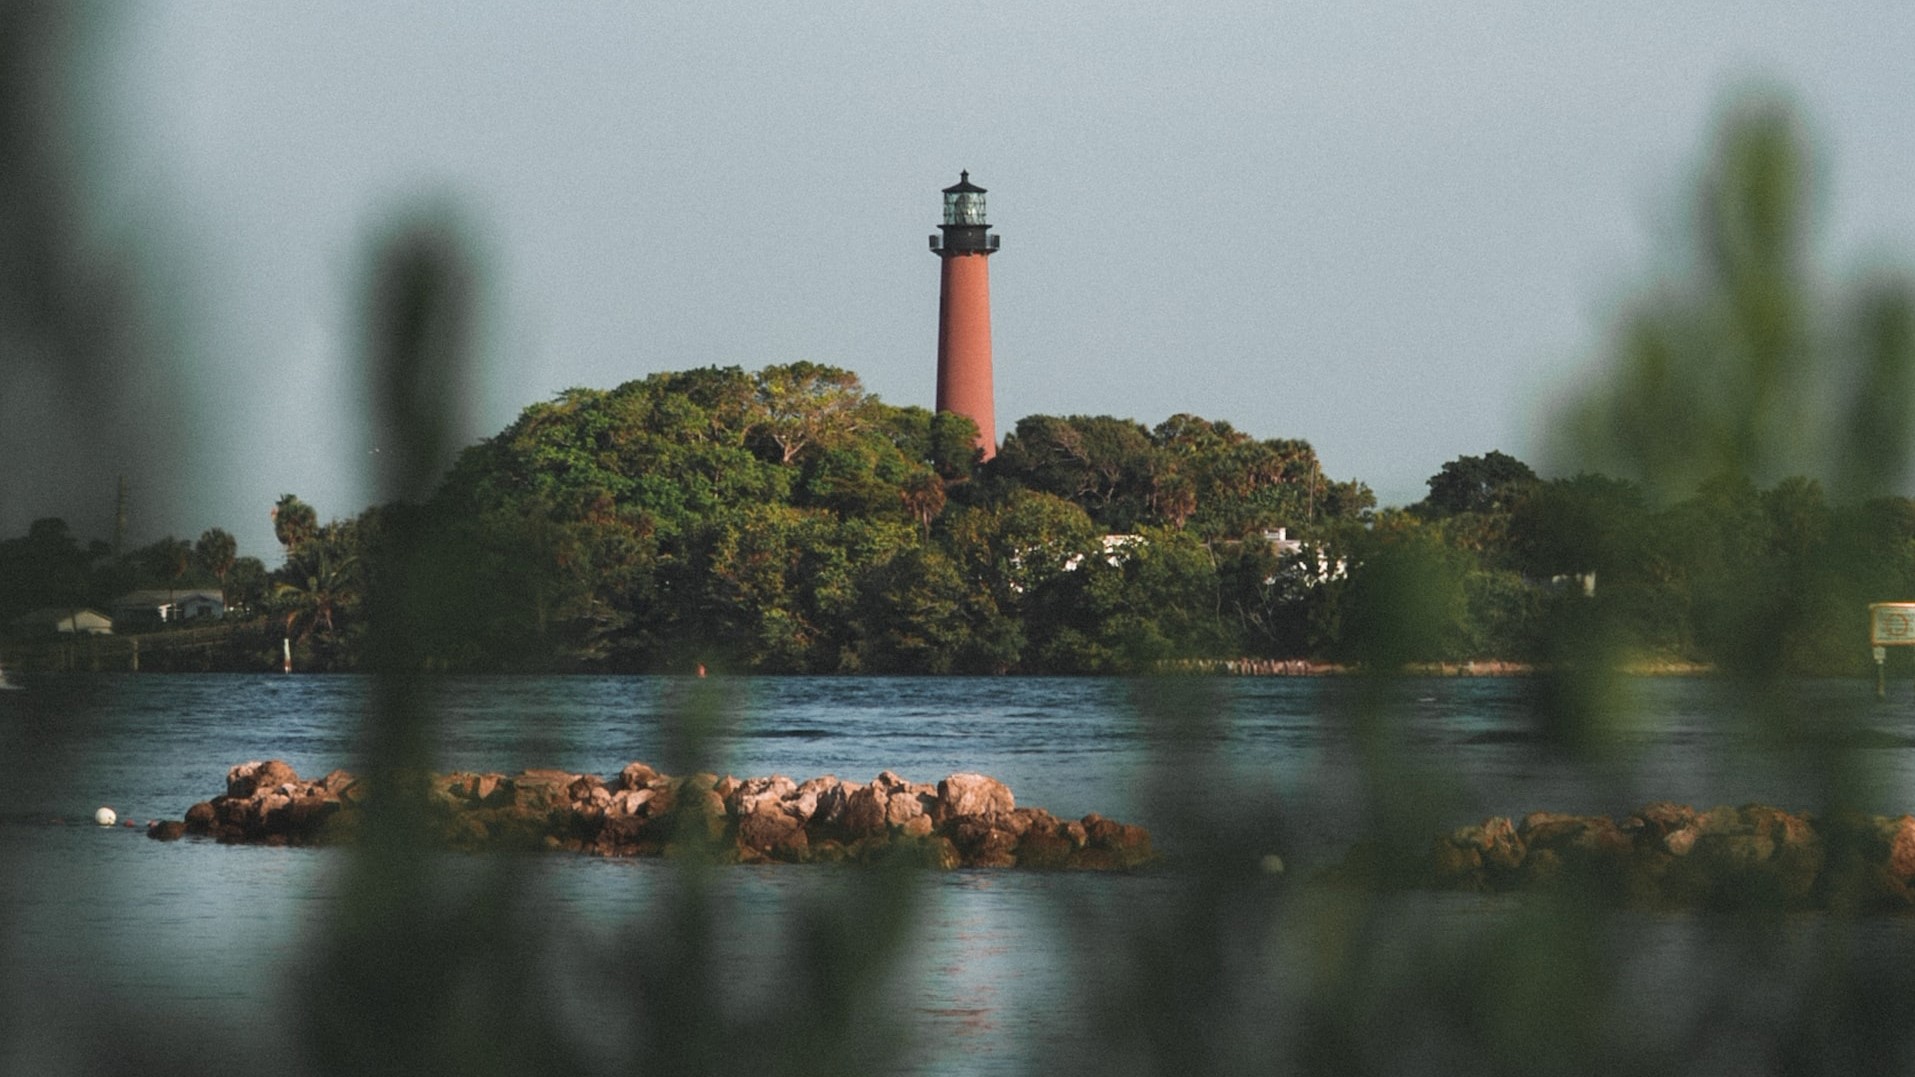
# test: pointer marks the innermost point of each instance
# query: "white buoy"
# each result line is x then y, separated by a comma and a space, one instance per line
106, 817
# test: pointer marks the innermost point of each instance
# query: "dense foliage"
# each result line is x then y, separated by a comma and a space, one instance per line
788, 521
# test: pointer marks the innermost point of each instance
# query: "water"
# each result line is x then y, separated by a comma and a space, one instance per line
191, 943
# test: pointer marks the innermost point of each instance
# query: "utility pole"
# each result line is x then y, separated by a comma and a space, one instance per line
119, 519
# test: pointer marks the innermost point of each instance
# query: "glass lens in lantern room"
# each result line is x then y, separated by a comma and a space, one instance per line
963, 208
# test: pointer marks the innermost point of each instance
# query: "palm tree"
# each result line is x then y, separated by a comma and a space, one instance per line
1175, 497
217, 551
923, 495
322, 586
294, 523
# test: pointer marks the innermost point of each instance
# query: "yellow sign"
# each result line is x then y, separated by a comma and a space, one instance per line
1891, 624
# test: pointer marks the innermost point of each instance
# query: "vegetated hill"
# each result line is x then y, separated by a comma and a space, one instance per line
786, 520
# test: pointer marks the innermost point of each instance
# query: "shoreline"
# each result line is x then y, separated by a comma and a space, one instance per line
1484, 667
25, 663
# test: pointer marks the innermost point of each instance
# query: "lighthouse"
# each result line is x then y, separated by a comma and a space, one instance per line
964, 310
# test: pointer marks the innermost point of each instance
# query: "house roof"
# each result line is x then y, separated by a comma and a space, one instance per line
162, 597
53, 615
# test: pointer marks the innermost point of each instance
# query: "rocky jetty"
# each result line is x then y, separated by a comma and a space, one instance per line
966, 820
1675, 856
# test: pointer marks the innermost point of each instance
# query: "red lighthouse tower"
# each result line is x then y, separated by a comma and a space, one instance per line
964, 310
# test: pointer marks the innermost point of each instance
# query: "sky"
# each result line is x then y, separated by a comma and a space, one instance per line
1400, 231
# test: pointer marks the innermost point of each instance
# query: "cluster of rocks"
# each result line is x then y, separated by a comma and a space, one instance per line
966, 820
1672, 855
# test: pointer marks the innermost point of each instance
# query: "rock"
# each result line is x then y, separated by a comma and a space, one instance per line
819, 798
628, 801
1542, 868
974, 794
239, 779
981, 843
753, 792
1128, 845
1786, 830
865, 810
243, 780
1045, 847
1599, 839
618, 835
771, 831
1547, 830
1655, 822
306, 816
1731, 851
1720, 819
1900, 835
905, 805
1496, 843
165, 830
1456, 866
664, 799
1680, 841
540, 790
636, 776
200, 818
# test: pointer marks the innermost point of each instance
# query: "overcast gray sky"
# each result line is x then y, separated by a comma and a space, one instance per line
1397, 230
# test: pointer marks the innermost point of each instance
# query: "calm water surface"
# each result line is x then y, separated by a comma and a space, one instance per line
107, 930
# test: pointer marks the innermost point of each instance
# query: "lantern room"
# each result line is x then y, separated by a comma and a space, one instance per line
965, 229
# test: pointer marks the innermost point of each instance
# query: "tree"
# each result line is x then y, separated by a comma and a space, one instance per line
294, 523
1586, 523
1016, 545
1175, 498
913, 614
1488, 483
216, 551
316, 590
1405, 601
799, 405
1102, 463
923, 496
46, 567
248, 584
953, 451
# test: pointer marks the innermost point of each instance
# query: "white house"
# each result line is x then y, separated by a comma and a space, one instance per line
1114, 555
1285, 546
168, 607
